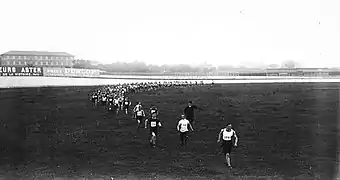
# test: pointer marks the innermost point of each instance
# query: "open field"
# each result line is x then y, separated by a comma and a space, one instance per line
279, 139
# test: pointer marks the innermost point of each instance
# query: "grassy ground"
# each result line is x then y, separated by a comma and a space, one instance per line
279, 139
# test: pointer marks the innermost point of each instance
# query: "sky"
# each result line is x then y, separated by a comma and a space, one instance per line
231, 32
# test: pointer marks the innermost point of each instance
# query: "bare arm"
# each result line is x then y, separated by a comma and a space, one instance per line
191, 127
178, 126
146, 123
219, 136
236, 138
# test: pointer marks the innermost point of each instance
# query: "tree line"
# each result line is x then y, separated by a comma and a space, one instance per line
142, 67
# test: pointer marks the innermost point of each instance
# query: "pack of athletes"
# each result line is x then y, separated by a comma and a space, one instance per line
103, 94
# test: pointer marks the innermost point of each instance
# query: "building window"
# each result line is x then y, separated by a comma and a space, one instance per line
13, 62
25, 62
46, 57
62, 64
7, 63
41, 63
36, 63
19, 62
46, 63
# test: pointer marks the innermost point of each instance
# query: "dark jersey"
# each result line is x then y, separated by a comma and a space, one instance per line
153, 123
189, 111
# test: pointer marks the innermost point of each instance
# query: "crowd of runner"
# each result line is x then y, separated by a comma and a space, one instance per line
116, 98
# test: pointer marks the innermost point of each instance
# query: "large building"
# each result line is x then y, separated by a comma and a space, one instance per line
36, 58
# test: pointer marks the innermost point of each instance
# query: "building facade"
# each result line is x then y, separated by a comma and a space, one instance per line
36, 58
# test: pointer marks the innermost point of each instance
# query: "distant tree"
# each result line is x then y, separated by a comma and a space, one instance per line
288, 64
225, 68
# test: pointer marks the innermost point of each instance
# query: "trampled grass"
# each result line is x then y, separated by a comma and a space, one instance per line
286, 131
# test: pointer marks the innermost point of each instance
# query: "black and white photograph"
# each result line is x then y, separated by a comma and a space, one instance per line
169, 90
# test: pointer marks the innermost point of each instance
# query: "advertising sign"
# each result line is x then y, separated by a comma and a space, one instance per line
81, 72
54, 72
20, 71
70, 72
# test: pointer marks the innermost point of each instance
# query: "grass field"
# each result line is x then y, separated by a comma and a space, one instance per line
279, 139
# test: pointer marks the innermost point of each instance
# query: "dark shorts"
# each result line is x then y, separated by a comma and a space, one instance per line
126, 107
227, 146
183, 135
139, 118
154, 130
190, 118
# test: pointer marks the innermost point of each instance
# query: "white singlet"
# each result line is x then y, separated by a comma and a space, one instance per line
227, 135
139, 113
153, 124
183, 123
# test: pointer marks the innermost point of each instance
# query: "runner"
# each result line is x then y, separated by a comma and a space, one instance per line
121, 101
138, 105
116, 104
127, 104
103, 99
227, 134
183, 129
154, 110
139, 114
189, 112
94, 99
154, 124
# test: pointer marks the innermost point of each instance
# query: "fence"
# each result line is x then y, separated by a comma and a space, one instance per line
73, 72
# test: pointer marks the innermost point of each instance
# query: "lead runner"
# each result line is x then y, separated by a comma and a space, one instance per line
227, 134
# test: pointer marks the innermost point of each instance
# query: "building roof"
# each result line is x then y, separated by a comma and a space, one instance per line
36, 53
